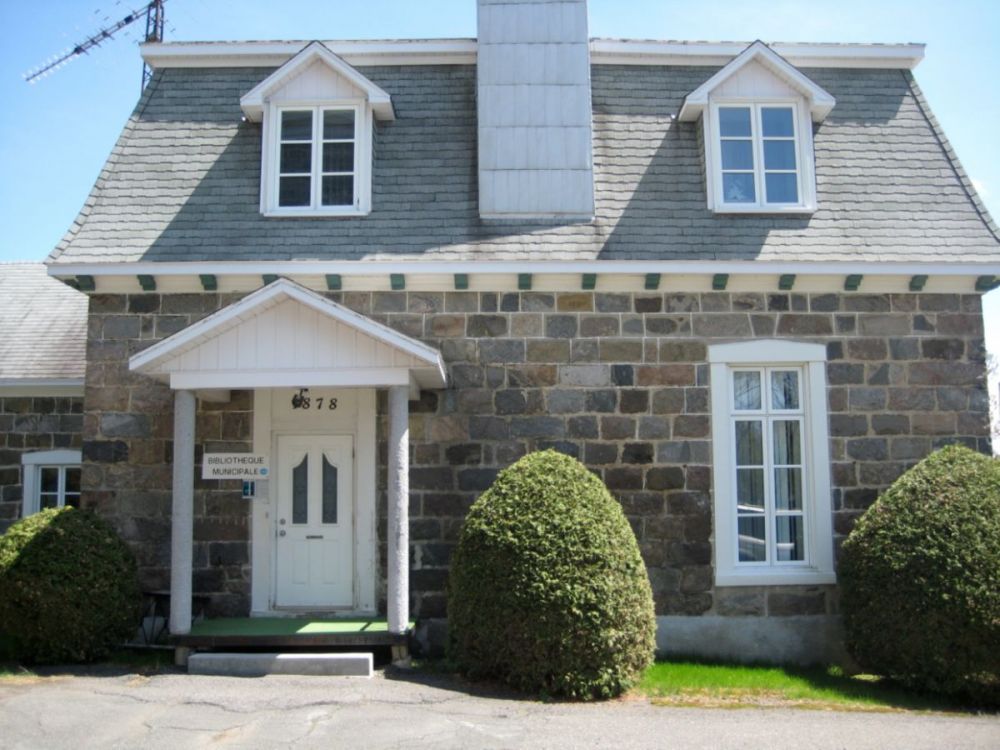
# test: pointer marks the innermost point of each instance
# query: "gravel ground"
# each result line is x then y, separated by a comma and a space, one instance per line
174, 710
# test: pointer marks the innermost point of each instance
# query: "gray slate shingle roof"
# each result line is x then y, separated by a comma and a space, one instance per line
43, 325
182, 184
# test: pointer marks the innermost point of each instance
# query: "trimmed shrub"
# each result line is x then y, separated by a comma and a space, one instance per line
920, 578
547, 591
68, 587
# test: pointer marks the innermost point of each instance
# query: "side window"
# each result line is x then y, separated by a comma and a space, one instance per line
51, 479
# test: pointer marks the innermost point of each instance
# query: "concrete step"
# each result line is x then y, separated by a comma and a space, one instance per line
257, 665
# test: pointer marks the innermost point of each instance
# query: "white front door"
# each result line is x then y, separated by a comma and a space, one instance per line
315, 538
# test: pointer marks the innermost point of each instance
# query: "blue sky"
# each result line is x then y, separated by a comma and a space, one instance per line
56, 134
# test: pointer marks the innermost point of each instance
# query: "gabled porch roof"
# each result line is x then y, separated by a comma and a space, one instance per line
285, 335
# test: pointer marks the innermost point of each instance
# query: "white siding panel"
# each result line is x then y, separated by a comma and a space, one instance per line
317, 82
754, 80
246, 354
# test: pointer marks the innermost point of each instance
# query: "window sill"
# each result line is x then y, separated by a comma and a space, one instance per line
310, 214
772, 577
767, 210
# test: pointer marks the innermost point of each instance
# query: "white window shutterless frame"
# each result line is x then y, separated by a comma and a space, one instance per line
771, 459
317, 159
759, 156
51, 479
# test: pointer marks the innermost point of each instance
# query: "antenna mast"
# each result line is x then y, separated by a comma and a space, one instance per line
153, 11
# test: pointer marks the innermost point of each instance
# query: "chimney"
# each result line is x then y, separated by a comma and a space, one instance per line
535, 157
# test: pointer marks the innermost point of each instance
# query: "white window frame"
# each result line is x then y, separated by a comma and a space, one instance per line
271, 150
804, 154
810, 360
31, 468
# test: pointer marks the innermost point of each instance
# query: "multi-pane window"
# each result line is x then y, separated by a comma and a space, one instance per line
758, 155
51, 480
317, 158
768, 423
58, 486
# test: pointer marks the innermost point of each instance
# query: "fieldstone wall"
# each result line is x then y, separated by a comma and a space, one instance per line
618, 380
29, 424
128, 449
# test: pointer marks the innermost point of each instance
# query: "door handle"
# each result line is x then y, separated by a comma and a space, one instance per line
314, 536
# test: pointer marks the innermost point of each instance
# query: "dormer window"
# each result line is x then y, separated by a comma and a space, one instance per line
316, 156
758, 155
757, 116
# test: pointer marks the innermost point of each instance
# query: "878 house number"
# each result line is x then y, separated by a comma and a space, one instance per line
302, 400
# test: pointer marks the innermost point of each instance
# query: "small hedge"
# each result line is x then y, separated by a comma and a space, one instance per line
68, 587
548, 592
920, 578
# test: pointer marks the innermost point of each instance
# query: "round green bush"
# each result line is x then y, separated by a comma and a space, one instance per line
547, 591
920, 578
68, 587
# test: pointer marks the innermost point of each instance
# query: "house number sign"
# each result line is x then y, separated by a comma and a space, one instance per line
302, 400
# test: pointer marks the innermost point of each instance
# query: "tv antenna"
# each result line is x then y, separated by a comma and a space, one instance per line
153, 13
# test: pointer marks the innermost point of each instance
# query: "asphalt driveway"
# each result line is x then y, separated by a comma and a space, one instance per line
176, 711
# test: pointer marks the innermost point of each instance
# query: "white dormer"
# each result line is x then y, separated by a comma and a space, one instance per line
316, 153
758, 114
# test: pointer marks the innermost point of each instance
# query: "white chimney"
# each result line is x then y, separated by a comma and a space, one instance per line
535, 157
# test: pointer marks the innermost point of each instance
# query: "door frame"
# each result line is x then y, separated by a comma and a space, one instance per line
264, 526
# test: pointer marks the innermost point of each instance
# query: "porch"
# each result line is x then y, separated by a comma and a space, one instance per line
291, 633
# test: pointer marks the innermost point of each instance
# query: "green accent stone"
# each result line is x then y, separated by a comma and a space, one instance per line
589, 281
917, 283
786, 281
208, 282
652, 281
269, 278
85, 283
853, 282
397, 281
720, 281
461, 281
524, 281
333, 282
147, 282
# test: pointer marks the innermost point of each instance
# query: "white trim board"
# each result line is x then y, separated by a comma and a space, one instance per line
463, 52
375, 267
25, 387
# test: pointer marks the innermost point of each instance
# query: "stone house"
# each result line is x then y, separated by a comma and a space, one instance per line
43, 337
740, 282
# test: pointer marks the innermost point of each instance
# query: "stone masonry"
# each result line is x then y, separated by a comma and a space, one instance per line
618, 380
27, 425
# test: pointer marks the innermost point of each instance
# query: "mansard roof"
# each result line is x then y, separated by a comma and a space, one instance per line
183, 182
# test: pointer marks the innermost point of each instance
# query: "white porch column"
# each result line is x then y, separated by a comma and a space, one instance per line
399, 509
182, 522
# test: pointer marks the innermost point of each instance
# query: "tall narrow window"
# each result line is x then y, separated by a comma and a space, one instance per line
300, 491
317, 159
772, 463
767, 421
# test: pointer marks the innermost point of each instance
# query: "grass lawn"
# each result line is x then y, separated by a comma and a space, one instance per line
685, 683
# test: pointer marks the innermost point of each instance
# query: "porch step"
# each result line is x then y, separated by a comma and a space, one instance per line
257, 665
